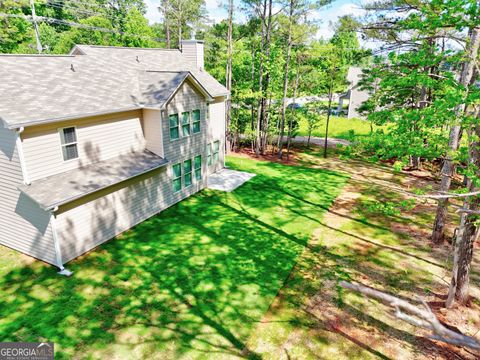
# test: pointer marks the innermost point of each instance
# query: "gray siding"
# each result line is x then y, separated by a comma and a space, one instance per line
99, 138
152, 130
23, 225
92, 220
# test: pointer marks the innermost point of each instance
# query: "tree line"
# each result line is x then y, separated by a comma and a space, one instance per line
425, 90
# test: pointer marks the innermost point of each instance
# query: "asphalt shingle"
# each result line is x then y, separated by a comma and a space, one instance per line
40, 89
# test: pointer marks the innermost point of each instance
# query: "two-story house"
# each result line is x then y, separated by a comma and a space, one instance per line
97, 141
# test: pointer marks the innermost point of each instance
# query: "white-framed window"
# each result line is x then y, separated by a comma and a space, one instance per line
68, 139
196, 121
209, 154
177, 177
216, 150
187, 172
197, 164
174, 128
186, 124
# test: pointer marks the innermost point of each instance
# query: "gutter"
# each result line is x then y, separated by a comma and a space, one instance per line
54, 207
56, 244
21, 155
72, 117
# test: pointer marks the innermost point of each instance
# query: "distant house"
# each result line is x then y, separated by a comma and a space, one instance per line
95, 142
355, 95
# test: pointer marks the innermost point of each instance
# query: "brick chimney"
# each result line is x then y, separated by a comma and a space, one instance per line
193, 51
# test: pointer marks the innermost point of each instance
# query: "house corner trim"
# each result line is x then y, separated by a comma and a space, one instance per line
21, 155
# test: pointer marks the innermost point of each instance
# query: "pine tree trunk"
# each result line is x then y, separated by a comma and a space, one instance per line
449, 167
266, 80
228, 76
292, 115
285, 83
258, 136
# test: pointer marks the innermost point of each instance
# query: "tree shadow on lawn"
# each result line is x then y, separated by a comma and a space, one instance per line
191, 281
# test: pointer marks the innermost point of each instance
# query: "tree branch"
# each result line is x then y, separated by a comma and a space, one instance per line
423, 318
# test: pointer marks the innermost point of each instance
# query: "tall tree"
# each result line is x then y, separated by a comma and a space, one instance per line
229, 71
468, 228
449, 165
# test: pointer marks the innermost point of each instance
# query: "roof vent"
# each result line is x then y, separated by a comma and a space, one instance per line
72, 68
137, 59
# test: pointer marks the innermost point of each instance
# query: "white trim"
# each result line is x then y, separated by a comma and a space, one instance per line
58, 251
21, 155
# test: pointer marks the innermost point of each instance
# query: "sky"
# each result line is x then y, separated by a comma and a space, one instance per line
327, 15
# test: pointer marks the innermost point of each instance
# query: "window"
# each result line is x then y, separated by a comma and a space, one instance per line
207, 115
177, 177
216, 149
197, 163
209, 154
174, 133
187, 172
185, 124
68, 139
196, 121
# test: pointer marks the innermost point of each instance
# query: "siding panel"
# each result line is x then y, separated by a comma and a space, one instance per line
99, 138
23, 225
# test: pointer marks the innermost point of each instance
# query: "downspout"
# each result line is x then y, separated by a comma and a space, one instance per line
56, 243
21, 155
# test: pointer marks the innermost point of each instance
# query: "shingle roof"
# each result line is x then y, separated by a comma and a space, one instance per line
38, 89
68, 186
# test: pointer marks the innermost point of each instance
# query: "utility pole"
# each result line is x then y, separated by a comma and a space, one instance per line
35, 25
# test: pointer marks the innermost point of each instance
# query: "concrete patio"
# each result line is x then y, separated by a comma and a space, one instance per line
228, 180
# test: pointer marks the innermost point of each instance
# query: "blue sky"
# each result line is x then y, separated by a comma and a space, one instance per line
327, 16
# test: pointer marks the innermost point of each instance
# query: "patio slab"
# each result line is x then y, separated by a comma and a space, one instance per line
228, 180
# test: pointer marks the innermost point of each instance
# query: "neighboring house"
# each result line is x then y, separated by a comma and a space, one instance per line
95, 142
355, 95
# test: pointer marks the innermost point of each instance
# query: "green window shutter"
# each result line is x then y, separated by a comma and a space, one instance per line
197, 163
185, 124
196, 121
173, 122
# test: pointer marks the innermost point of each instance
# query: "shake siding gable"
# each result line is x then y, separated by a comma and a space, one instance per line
23, 225
99, 138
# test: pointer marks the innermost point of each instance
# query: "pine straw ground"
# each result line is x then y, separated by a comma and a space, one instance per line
373, 235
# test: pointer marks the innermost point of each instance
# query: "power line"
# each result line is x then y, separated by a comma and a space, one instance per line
74, 9
74, 24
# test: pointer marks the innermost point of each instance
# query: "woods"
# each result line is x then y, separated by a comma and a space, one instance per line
420, 65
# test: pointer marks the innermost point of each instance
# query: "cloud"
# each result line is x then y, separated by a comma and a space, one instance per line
153, 15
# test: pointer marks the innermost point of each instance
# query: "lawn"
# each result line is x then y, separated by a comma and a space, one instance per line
339, 127
192, 282
374, 235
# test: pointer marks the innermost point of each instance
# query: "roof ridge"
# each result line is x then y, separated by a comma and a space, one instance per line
39, 55
127, 47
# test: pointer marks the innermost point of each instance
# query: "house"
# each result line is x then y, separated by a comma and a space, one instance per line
354, 94
95, 142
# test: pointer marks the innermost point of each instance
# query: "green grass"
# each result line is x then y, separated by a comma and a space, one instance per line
193, 281
339, 127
